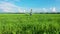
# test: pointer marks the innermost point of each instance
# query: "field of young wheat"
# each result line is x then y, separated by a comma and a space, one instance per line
26, 24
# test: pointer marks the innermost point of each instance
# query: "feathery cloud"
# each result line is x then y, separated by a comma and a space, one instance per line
8, 7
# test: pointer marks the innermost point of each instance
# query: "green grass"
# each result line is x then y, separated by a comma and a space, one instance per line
25, 24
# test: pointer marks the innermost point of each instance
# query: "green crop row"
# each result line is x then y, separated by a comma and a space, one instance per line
26, 24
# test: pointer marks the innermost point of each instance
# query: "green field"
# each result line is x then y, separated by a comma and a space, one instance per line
25, 24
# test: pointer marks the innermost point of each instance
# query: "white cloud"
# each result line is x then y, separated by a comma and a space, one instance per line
36, 10
8, 7
45, 10
54, 9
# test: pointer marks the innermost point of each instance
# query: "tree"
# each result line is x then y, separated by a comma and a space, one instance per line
30, 12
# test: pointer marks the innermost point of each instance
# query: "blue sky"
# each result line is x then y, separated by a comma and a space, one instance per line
34, 3
37, 5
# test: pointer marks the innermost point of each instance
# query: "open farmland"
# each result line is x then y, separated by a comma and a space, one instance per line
26, 24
